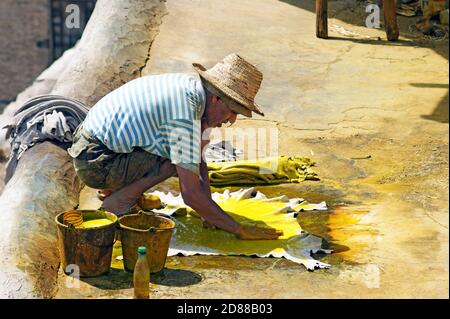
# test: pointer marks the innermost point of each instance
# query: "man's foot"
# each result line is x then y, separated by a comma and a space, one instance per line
118, 204
103, 193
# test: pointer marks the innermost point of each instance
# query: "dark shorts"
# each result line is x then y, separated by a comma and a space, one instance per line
100, 168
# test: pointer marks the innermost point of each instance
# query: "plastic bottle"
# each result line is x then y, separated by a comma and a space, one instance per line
141, 275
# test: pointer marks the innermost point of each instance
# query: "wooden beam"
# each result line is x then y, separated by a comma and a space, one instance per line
322, 19
390, 19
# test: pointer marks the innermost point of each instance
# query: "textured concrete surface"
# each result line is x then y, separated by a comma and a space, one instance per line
374, 116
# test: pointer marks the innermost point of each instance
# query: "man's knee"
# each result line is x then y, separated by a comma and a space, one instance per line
93, 177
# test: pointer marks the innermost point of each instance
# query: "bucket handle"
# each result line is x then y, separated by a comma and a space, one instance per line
140, 212
151, 229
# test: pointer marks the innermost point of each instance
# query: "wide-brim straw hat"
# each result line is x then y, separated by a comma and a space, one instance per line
235, 81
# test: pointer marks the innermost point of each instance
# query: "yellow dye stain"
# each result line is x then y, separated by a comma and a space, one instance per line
345, 230
95, 223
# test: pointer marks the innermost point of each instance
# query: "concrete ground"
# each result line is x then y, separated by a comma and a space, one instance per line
372, 114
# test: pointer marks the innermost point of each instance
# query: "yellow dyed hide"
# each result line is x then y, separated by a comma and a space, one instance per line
251, 207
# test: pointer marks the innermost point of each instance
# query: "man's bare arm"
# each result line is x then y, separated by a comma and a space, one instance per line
195, 196
204, 170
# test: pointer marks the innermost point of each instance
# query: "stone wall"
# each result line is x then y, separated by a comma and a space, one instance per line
23, 23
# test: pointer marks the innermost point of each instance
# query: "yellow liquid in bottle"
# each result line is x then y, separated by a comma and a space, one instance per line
141, 278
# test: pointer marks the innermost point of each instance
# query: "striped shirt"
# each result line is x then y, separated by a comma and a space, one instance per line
159, 113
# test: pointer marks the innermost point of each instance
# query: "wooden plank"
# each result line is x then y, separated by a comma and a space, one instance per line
390, 19
322, 19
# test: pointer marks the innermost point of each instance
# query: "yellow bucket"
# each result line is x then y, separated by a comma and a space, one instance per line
89, 249
146, 229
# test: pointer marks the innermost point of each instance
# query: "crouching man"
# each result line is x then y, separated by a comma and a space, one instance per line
151, 129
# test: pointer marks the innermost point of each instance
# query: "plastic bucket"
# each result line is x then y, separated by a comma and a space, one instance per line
145, 229
88, 250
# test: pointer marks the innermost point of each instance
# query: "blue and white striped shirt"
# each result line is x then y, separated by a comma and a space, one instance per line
159, 113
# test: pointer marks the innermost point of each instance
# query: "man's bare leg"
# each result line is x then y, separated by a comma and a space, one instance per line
120, 201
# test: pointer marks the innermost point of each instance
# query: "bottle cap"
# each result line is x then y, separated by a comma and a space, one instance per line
142, 250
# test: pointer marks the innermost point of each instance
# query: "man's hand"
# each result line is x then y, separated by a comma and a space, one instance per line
258, 232
207, 224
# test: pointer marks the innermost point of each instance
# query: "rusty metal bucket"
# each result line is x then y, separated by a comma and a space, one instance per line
89, 249
146, 229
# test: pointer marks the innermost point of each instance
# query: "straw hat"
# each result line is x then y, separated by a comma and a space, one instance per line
235, 81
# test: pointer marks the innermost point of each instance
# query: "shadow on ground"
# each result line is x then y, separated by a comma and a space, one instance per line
118, 279
176, 278
440, 113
